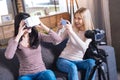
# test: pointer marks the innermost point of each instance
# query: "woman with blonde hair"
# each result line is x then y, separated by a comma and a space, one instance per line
71, 59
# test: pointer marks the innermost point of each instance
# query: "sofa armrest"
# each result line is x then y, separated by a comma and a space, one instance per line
9, 66
111, 62
5, 73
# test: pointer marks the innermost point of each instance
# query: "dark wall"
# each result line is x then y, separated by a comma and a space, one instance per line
115, 28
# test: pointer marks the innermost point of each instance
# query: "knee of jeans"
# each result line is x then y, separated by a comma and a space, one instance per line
73, 67
91, 62
24, 78
50, 73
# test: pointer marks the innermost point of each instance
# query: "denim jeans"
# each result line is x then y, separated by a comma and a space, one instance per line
72, 67
44, 75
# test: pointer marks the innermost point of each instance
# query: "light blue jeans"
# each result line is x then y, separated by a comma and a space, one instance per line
72, 67
44, 75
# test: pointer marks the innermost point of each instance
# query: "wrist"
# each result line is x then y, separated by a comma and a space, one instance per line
44, 27
71, 31
17, 38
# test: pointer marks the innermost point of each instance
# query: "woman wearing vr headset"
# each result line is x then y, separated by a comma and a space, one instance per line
26, 45
71, 59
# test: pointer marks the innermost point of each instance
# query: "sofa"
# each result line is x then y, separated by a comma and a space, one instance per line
50, 53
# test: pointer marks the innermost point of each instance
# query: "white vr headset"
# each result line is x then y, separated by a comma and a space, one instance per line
32, 21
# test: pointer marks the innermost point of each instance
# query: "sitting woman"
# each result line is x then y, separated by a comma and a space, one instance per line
26, 45
71, 59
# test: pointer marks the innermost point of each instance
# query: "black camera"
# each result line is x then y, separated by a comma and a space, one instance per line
96, 35
92, 51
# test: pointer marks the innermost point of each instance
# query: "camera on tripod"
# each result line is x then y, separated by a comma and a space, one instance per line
93, 52
96, 35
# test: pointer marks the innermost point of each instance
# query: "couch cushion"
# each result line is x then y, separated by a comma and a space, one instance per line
10, 66
50, 53
47, 55
5, 73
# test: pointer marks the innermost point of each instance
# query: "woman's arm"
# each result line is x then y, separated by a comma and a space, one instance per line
51, 36
13, 43
62, 33
11, 49
79, 41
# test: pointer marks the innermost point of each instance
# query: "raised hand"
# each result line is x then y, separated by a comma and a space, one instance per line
21, 31
69, 27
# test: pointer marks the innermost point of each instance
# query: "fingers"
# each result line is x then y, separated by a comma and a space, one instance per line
22, 29
69, 26
59, 25
22, 23
40, 24
25, 31
68, 22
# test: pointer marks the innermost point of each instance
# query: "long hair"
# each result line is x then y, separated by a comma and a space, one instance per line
86, 17
33, 36
18, 18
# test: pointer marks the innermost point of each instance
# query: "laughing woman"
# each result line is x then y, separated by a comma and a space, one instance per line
71, 58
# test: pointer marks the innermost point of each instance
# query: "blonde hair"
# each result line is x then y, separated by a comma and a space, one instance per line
86, 17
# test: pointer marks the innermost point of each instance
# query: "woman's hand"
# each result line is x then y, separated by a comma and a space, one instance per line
21, 31
42, 26
69, 27
59, 26
21, 28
